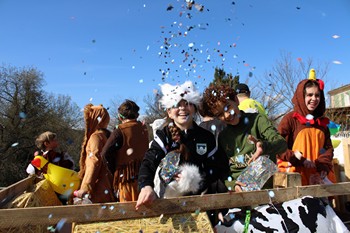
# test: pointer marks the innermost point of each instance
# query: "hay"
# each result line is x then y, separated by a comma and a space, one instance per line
40, 195
174, 224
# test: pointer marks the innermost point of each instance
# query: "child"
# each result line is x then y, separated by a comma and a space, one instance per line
96, 178
183, 142
124, 151
47, 144
209, 121
246, 136
310, 150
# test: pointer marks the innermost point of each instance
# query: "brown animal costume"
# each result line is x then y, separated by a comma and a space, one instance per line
125, 150
96, 178
307, 133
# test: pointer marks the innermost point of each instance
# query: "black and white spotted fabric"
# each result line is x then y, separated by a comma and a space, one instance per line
303, 215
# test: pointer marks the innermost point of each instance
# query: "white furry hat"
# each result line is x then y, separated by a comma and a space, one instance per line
172, 95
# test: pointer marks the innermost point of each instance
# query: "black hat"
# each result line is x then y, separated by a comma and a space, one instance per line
242, 88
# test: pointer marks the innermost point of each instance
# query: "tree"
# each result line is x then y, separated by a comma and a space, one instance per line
221, 78
66, 120
153, 111
21, 102
25, 112
276, 88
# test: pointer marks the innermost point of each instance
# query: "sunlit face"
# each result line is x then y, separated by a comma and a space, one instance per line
229, 112
312, 98
182, 114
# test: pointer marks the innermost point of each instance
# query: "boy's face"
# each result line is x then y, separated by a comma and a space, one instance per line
229, 112
51, 145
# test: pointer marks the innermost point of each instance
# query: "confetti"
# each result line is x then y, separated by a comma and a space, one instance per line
22, 115
129, 151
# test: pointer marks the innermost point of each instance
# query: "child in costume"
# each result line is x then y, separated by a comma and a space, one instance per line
246, 136
310, 150
47, 144
124, 151
183, 158
96, 178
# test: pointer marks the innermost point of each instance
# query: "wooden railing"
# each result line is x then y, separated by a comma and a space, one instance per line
10, 218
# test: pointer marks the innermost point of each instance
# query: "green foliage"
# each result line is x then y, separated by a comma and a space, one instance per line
25, 112
222, 78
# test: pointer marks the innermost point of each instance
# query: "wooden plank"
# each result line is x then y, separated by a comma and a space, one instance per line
286, 179
13, 190
346, 152
120, 211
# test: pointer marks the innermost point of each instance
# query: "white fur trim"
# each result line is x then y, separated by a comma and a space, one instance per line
189, 182
158, 124
172, 95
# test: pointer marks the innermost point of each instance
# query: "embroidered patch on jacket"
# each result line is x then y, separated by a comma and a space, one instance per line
201, 148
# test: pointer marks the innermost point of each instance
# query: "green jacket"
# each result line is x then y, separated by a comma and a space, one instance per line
233, 141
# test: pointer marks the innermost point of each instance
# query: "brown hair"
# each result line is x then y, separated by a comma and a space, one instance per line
218, 93
311, 83
128, 110
204, 110
44, 137
176, 137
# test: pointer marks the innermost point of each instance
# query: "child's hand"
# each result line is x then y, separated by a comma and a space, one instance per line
323, 174
238, 186
309, 164
259, 148
80, 193
177, 177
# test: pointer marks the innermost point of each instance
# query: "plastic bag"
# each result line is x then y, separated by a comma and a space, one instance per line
257, 173
81, 201
169, 166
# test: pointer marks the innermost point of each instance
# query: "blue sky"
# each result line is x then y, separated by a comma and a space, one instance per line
99, 51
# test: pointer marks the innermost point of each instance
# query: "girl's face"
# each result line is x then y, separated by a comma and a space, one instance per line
312, 98
182, 114
229, 112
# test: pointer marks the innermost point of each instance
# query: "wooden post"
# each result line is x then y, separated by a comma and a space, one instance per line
346, 154
286, 179
346, 151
